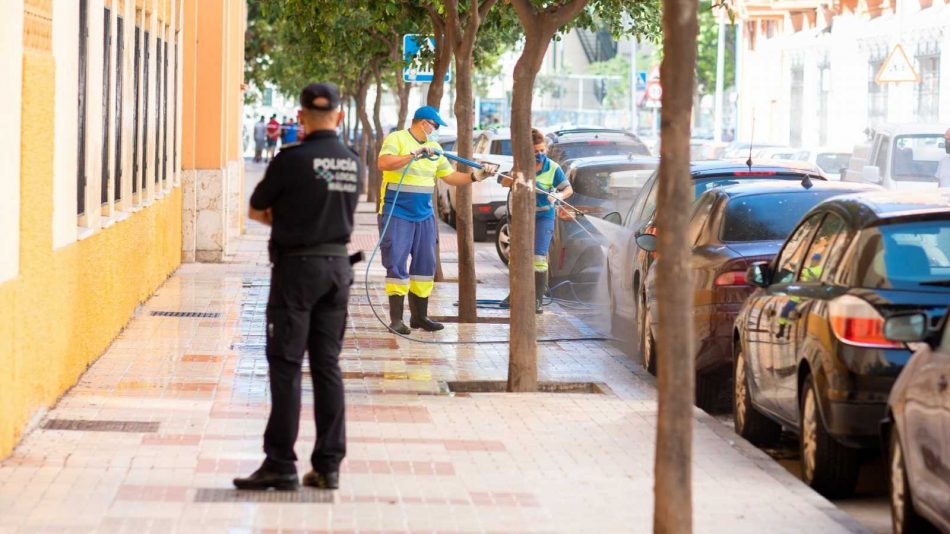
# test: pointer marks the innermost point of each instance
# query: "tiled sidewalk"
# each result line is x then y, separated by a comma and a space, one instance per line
151, 437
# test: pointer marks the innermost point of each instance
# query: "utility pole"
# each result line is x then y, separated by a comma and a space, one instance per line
720, 82
634, 118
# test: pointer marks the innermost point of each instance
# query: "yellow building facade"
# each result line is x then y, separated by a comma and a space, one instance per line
120, 151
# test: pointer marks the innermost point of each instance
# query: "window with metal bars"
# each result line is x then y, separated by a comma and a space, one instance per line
165, 117
145, 59
81, 102
158, 109
795, 105
136, 85
106, 100
927, 103
119, 71
877, 95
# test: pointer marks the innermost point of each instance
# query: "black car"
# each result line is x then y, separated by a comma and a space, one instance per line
917, 429
809, 346
731, 228
588, 142
627, 263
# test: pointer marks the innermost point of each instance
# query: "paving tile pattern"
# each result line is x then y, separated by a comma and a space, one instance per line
419, 459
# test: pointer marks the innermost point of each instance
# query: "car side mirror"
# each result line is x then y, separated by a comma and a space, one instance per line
647, 242
759, 274
907, 327
614, 218
871, 174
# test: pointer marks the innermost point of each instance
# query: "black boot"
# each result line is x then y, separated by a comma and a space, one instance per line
263, 479
395, 315
314, 479
419, 314
540, 286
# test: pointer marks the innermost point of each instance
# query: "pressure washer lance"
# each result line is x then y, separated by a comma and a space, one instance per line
477, 165
382, 234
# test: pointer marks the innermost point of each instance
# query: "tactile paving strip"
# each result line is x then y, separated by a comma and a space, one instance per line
86, 425
304, 496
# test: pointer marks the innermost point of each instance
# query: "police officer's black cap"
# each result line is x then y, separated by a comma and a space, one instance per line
320, 90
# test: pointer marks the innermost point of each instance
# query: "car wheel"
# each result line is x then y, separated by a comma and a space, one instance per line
647, 342
750, 423
503, 241
479, 231
904, 517
827, 466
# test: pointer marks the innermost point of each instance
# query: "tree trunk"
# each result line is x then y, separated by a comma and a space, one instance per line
372, 188
523, 349
402, 93
673, 513
468, 312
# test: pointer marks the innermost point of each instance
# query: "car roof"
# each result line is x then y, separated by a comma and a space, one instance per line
790, 187
586, 134
700, 169
910, 128
873, 208
612, 159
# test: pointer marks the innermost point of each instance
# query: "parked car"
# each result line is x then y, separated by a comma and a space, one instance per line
602, 184
489, 198
832, 161
731, 228
809, 346
916, 431
899, 156
627, 263
586, 142
744, 150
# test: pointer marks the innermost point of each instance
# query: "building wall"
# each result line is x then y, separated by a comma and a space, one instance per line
76, 276
846, 48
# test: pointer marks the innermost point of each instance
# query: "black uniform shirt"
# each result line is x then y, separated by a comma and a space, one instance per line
312, 188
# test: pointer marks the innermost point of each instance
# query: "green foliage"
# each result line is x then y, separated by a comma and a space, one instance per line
706, 50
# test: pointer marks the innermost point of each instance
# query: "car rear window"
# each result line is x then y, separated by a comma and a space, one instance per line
594, 181
914, 255
705, 183
831, 162
767, 217
501, 147
586, 149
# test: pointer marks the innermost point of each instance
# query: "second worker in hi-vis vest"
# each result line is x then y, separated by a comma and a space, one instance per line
412, 230
548, 177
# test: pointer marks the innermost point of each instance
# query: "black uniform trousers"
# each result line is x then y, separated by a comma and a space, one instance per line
306, 310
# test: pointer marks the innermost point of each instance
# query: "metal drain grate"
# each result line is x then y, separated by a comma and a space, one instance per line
488, 319
101, 426
197, 315
304, 496
500, 386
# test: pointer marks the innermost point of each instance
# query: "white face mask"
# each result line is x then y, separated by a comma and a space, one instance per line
433, 136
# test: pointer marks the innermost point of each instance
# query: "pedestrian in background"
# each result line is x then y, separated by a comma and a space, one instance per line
288, 132
260, 139
273, 135
308, 195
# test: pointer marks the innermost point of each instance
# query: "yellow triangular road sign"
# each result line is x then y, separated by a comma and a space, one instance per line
897, 68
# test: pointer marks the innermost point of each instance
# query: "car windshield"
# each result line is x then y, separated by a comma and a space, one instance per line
913, 255
767, 217
916, 157
594, 181
831, 162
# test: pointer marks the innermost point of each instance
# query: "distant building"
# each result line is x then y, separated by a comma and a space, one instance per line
807, 68
121, 159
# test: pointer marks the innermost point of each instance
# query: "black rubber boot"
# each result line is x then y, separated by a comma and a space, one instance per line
540, 286
395, 315
419, 314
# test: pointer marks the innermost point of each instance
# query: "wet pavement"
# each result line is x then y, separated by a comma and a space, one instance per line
153, 433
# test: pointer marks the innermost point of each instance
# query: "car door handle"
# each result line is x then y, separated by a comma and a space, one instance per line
942, 383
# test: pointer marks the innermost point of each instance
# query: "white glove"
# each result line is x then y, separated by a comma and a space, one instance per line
554, 198
423, 152
488, 169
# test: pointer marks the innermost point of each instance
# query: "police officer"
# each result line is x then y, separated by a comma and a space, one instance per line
308, 195
550, 178
412, 231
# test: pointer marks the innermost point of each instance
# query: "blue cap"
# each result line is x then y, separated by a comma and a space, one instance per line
429, 113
